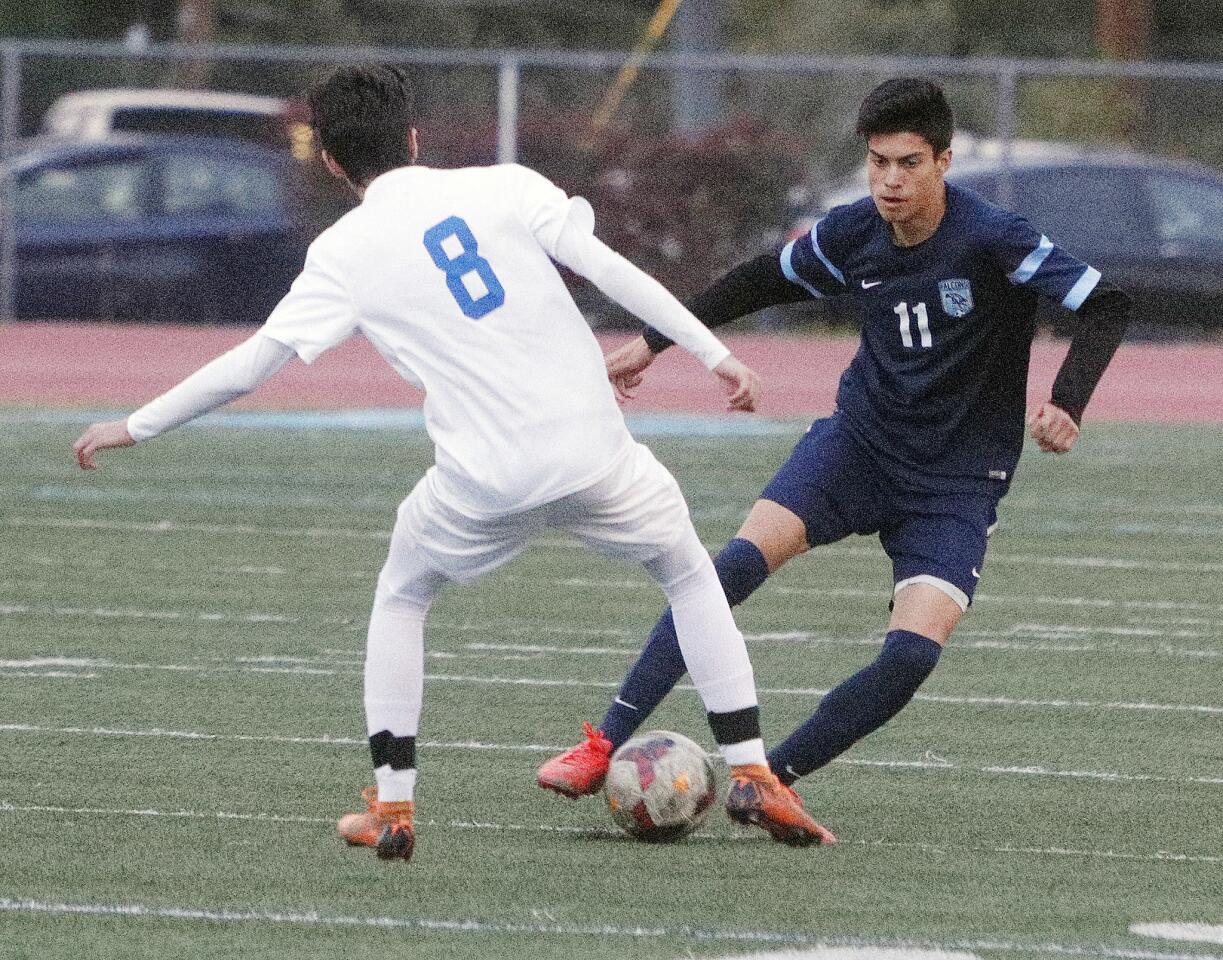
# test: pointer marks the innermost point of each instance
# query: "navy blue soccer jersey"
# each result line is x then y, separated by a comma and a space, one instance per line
937, 389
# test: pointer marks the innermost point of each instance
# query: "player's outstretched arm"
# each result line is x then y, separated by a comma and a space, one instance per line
226, 378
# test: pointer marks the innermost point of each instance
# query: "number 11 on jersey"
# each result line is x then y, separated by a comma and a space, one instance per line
453, 248
923, 324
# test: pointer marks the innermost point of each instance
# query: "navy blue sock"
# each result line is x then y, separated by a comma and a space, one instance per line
741, 569
860, 705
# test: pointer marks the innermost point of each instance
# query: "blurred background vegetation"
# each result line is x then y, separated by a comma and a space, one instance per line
696, 171
1154, 29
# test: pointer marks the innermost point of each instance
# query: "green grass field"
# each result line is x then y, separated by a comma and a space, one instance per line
180, 719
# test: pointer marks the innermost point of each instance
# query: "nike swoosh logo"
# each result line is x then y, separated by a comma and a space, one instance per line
975, 574
867, 286
625, 703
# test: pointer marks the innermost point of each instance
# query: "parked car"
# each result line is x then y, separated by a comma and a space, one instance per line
1153, 226
97, 114
154, 228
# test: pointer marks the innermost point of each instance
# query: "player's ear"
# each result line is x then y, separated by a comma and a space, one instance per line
943, 160
332, 165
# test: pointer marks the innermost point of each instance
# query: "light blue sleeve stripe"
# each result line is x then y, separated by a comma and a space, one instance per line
1031, 263
815, 243
787, 267
1082, 289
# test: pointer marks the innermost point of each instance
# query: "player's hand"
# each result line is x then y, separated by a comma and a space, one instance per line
101, 436
742, 383
1053, 429
625, 366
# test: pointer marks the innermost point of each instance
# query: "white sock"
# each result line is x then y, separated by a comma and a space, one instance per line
396, 785
749, 751
395, 685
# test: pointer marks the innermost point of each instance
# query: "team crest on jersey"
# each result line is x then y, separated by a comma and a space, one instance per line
957, 297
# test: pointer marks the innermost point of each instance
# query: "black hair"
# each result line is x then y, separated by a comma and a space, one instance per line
362, 116
908, 105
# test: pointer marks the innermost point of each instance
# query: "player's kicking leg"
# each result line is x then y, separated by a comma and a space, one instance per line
580, 770
741, 567
631, 515
717, 660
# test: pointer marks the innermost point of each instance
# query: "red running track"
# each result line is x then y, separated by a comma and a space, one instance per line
117, 366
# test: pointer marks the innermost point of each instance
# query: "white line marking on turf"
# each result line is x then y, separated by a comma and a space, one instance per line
545, 682
55, 674
311, 918
856, 953
171, 526
1049, 631
930, 762
738, 836
1192, 932
127, 613
882, 595
470, 925
174, 526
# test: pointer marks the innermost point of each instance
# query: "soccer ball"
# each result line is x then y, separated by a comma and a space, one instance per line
660, 786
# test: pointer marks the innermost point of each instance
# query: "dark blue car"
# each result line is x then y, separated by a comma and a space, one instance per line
145, 228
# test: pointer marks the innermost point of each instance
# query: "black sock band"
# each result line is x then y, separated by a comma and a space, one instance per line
399, 753
738, 726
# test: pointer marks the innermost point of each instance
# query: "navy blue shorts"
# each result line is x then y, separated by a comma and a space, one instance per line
837, 488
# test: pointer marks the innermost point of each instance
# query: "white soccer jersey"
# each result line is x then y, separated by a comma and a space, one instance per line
447, 273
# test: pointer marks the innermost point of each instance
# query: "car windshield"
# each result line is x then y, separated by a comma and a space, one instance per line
1188, 212
109, 190
1086, 208
258, 127
217, 185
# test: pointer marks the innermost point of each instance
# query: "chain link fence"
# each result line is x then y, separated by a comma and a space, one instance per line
682, 206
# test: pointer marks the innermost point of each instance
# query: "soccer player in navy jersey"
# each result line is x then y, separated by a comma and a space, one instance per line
929, 418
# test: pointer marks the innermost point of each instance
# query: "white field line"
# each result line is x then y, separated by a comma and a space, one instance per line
929, 762
882, 595
738, 836
222, 666
805, 638
162, 566
1044, 635
702, 497
171, 526
855, 953
1192, 932
1113, 505
545, 926
53, 674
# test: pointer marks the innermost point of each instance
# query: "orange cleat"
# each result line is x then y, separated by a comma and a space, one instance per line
387, 827
758, 798
580, 770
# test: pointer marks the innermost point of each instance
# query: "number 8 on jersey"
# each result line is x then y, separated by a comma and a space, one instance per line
458, 264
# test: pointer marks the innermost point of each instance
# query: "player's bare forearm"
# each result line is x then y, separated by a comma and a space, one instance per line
107, 435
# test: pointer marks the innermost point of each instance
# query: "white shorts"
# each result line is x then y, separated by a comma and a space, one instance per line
636, 512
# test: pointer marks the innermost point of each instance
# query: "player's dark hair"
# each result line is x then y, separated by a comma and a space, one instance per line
908, 105
362, 116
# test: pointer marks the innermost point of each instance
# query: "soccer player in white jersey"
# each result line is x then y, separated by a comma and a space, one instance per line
449, 274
